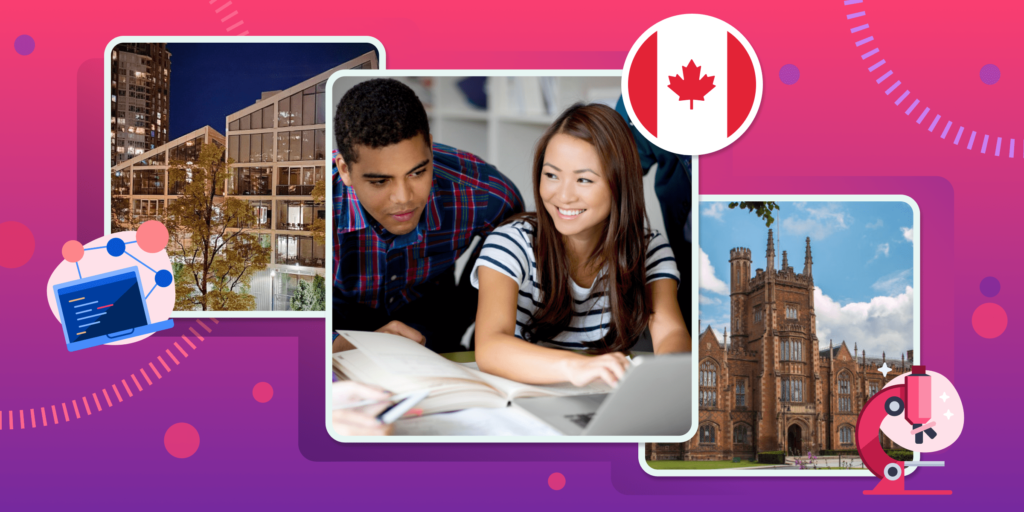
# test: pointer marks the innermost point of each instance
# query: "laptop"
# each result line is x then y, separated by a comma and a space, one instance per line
653, 399
104, 308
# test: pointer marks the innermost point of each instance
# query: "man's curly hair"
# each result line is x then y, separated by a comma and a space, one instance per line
378, 113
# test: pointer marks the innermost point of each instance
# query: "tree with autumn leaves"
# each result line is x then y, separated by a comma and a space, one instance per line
211, 239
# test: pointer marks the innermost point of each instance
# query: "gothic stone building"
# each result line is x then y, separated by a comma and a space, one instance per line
768, 387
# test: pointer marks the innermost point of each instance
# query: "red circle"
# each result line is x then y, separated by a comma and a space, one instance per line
72, 251
556, 481
989, 320
152, 236
181, 440
262, 392
16, 244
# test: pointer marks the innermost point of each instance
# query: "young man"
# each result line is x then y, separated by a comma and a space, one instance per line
405, 209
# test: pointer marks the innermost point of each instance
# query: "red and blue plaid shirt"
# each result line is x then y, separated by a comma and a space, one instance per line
468, 198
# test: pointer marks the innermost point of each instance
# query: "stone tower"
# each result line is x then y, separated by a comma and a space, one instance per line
739, 281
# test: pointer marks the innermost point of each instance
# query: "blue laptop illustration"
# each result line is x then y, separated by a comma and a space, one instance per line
104, 308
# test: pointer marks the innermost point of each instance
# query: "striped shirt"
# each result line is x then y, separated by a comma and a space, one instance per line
468, 197
509, 250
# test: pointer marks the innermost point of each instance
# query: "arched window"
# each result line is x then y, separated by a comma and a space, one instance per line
707, 434
708, 384
846, 435
845, 402
742, 434
741, 392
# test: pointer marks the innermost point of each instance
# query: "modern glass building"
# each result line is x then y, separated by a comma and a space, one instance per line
139, 187
140, 86
278, 147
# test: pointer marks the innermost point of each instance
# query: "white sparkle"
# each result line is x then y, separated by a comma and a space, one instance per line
947, 414
884, 369
944, 397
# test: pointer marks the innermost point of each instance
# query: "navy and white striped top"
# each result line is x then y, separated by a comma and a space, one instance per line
509, 250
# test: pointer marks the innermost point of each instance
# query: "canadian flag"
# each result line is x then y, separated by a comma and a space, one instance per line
692, 84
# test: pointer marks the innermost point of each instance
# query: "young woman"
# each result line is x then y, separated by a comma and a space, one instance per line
583, 273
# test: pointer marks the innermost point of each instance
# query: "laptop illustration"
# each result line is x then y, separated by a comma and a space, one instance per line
638, 405
104, 308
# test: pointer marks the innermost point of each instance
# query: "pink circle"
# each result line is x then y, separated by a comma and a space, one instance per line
181, 440
262, 392
989, 320
16, 244
72, 251
556, 481
152, 236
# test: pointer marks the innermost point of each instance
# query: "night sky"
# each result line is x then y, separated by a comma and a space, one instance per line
211, 80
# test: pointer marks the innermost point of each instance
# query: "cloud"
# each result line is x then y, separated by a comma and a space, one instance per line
884, 323
894, 283
709, 301
908, 234
883, 249
708, 280
714, 210
816, 222
874, 225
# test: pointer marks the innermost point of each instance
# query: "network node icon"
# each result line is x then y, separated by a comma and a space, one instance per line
115, 300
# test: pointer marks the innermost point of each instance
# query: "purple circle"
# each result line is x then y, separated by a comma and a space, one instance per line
789, 74
24, 44
989, 74
990, 286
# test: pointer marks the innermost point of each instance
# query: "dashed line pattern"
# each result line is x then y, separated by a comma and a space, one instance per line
229, 17
45, 422
883, 74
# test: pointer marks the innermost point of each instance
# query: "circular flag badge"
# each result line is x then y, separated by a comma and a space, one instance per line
692, 84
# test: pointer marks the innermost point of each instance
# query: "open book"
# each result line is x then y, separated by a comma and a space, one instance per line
401, 365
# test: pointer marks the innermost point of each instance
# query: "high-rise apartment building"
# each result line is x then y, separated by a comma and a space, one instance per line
139, 99
278, 147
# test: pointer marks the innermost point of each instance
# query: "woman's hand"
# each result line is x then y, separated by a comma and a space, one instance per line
608, 367
359, 421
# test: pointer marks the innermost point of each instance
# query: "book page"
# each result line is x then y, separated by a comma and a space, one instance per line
513, 389
403, 356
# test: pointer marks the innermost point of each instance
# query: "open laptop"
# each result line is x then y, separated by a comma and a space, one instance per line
104, 308
653, 399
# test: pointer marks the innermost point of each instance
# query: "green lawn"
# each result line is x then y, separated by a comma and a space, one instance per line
701, 464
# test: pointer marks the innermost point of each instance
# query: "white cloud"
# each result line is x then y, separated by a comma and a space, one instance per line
714, 210
709, 301
708, 280
818, 223
884, 323
882, 250
894, 283
874, 225
908, 234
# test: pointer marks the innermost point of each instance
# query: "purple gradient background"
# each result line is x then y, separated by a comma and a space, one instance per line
834, 131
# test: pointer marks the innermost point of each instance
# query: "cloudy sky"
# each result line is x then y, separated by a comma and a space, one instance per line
863, 266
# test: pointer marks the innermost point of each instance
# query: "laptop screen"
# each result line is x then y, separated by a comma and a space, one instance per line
98, 307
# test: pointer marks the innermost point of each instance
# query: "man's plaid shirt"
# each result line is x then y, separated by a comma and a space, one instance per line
468, 198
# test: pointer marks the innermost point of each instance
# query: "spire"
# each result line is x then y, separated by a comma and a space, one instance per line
785, 260
770, 253
725, 337
830, 348
807, 259
855, 349
883, 357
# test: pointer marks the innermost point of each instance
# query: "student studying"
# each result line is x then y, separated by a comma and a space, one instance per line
564, 294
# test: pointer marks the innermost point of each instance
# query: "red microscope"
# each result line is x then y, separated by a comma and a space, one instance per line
913, 399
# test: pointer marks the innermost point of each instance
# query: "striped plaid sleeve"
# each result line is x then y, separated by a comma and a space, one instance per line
661, 264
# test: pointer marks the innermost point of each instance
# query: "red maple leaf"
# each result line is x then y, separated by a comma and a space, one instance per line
691, 86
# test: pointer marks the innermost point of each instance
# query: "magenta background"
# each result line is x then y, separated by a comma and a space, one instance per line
834, 131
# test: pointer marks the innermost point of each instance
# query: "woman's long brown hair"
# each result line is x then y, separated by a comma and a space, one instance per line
623, 246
